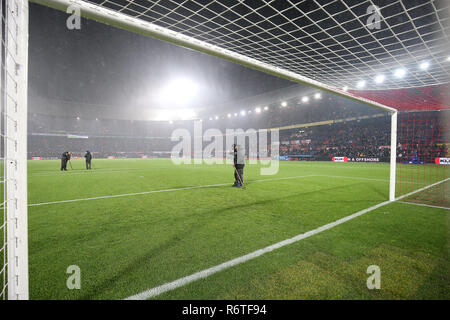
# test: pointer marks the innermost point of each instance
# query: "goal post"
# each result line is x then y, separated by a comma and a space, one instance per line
393, 159
14, 67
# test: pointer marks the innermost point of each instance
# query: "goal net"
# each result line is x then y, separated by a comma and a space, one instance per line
393, 56
423, 157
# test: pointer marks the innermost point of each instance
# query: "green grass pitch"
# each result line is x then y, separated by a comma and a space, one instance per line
125, 245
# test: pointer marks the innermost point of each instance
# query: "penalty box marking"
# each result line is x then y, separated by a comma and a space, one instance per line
189, 188
147, 294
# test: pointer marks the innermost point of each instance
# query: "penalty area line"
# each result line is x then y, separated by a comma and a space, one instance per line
423, 205
153, 292
155, 191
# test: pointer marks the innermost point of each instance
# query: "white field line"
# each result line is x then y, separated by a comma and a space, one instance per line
77, 172
69, 173
421, 189
147, 294
423, 205
368, 179
190, 188
155, 191
127, 194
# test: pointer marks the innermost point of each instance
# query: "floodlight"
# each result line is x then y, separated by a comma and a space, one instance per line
400, 73
185, 90
379, 78
361, 84
424, 65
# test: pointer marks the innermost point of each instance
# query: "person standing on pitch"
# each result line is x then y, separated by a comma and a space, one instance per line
88, 157
239, 163
64, 159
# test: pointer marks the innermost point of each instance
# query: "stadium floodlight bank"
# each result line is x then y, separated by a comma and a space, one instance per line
14, 108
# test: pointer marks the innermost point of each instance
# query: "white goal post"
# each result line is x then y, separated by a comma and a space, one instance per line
14, 67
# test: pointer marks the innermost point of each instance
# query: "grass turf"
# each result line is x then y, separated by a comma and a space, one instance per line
125, 245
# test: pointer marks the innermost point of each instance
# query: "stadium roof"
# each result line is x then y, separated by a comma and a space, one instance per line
340, 43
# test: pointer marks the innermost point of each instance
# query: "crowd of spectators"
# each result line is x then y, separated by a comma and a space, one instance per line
421, 137
369, 138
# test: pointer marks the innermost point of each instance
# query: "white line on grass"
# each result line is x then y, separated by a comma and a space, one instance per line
424, 205
147, 294
126, 194
189, 188
421, 189
368, 179
154, 191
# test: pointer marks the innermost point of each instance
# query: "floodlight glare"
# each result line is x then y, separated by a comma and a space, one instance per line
305, 99
345, 88
243, 113
229, 115
266, 108
317, 96
258, 110
216, 117
448, 58
400, 73
235, 114
424, 65
361, 84
185, 90
379, 79
284, 104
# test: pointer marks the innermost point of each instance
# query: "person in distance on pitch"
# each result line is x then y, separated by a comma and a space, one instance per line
64, 159
238, 164
88, 157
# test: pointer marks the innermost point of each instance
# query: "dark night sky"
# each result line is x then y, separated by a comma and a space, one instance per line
100, 64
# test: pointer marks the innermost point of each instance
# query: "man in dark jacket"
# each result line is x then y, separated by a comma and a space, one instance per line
64, 159
238, 164
88, 157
